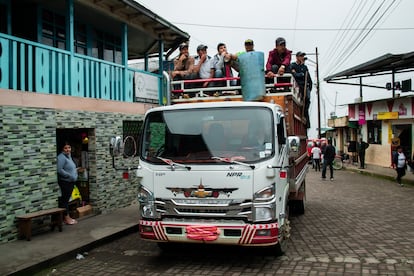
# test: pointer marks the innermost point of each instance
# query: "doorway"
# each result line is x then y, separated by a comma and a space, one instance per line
405, 134
79, 141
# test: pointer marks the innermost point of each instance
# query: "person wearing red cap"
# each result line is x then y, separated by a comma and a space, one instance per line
279, 58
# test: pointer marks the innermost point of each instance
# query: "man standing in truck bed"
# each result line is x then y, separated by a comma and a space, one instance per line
301, 74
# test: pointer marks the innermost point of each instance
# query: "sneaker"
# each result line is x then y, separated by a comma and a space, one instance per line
323, 178
331, 178
402, 185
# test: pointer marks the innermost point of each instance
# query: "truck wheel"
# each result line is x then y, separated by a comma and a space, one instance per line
300, 206
280, 248
297, 207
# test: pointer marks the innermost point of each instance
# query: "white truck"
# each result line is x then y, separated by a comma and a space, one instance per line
216, 169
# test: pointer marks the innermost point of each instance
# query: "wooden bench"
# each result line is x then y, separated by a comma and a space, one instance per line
25, 221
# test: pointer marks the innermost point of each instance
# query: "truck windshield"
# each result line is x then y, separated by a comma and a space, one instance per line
245, 134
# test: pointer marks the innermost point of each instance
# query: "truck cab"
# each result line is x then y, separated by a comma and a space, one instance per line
215, 172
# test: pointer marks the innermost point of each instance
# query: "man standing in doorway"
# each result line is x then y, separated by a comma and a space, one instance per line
361, 147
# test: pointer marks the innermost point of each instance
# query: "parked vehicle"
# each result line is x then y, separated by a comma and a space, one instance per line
217, 169
311, 142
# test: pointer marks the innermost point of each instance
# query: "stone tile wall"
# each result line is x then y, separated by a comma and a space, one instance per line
28, 178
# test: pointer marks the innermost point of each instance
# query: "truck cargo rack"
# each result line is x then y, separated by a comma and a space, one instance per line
229, 87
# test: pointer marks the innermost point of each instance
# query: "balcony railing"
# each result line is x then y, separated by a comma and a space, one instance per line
31, 66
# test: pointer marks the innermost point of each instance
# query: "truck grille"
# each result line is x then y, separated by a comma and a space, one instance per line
199, 208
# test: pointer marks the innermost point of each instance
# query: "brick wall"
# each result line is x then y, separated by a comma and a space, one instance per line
28, 178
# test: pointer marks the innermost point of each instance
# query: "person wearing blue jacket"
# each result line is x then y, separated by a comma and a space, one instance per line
67, 176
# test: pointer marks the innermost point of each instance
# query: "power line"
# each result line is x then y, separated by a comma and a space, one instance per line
353, 37
355, 44
292, 29
351, 17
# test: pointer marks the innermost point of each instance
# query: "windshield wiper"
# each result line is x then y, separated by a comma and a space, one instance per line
173, 164
232, 160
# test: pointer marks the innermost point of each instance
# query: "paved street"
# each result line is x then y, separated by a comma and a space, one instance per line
354, 225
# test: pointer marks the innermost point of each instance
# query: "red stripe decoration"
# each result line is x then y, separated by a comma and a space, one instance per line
159, 231
247, 234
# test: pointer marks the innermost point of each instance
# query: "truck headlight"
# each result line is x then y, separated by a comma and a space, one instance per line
144, 195
147, 204
263, 213
148, 211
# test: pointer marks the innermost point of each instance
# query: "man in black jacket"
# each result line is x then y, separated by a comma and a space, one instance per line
301, 74
361, 147
328, 158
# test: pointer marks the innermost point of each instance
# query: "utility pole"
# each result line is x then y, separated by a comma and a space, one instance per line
318, 93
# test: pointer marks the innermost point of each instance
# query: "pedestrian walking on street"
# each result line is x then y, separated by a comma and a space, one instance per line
316, 157
361, 148
399, 161
328, 158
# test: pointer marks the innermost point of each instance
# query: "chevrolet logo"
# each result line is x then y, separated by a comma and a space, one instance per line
201, 191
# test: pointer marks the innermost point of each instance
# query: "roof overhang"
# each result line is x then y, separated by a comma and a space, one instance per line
386, 64
145, 28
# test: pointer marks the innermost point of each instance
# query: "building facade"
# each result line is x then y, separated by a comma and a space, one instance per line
384, 124
64, 76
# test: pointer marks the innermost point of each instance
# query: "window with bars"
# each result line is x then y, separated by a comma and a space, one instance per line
131, 131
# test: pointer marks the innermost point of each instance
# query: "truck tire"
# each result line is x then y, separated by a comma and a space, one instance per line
300, 207
297, 206
280, 248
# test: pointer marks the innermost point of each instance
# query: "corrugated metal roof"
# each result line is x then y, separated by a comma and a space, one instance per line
386, 64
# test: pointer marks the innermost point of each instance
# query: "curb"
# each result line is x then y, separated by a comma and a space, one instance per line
405, 181
36, 268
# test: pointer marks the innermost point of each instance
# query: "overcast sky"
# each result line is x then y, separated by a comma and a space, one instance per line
345, 32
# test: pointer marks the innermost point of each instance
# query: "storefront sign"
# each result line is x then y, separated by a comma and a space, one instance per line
387, 115
361, 113
146, 86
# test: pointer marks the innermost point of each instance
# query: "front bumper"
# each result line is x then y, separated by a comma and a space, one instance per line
234, 232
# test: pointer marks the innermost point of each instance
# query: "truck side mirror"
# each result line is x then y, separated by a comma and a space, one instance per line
116, 147
293, 146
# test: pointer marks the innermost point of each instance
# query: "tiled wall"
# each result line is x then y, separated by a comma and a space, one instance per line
28, 180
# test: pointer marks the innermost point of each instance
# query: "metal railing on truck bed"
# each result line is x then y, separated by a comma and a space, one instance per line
229, 88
